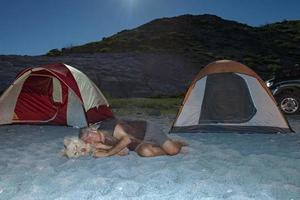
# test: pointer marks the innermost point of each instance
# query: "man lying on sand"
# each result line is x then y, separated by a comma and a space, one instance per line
115, 137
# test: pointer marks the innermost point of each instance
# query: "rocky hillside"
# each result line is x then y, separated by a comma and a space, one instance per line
161, 57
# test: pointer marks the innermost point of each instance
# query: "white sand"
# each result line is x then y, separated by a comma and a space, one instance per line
217, 166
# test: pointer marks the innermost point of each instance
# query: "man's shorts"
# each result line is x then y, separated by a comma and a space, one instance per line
154, 134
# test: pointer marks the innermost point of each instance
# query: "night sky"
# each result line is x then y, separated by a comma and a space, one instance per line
32, 27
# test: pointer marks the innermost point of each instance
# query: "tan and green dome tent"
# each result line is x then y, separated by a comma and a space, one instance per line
227, 96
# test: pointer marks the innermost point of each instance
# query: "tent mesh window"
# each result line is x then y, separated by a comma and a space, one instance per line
226, 100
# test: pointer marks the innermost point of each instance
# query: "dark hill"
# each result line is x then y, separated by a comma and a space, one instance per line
204, 38
161, 58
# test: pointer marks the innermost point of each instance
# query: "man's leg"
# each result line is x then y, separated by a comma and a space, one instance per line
171, 147
168, 148
149, 150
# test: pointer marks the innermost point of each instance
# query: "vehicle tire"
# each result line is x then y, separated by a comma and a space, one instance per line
289, 102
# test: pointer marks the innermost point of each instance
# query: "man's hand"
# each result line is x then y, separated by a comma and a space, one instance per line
104, 153
101, 153
124, 152
100, 146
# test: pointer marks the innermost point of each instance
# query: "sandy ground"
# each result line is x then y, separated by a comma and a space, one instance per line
216, 166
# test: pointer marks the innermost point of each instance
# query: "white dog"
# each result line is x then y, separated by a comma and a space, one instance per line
75, 147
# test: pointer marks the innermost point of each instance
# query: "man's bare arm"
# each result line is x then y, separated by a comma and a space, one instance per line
122, 144
124, 141
102, 146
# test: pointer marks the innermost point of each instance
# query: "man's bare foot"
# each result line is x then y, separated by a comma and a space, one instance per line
181, 143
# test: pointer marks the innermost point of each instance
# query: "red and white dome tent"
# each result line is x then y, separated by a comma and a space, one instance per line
55, 94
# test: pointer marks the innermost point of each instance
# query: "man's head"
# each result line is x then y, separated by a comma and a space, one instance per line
90, 135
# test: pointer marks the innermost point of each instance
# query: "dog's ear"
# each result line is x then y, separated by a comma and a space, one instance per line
67, 141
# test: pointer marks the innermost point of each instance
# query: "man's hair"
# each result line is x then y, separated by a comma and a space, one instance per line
109, 139
83, 132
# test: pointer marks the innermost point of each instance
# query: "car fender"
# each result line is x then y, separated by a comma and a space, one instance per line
286, 86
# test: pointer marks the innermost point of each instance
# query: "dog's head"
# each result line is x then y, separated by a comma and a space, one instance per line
75, 147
